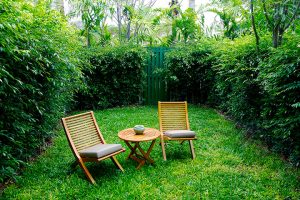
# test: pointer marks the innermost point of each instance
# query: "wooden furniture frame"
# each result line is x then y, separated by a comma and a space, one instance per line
133, 142
174, 116
82, 131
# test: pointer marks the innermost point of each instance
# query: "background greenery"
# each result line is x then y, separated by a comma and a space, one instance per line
39, 57
258, 89
115, 78
189, 71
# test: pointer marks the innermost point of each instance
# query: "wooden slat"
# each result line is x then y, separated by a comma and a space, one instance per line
78, 115
83, 129
173, 125
83, 133
86, 141
81, 147
89, 124
86, 144
173, 116
182, 119
78, 128
79, 122
86, 137
79, 119
173, 113
174, 121
82, 122
83, 117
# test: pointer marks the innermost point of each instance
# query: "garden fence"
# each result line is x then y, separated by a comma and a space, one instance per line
156, 86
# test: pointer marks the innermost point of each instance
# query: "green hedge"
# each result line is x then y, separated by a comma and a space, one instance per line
38, 73
189, 72
115, 78
280, 78
260, 91
237, 90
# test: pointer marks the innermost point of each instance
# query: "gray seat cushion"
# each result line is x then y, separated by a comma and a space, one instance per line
100, 150
180, 134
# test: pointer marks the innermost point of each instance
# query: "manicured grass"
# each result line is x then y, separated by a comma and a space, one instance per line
226, 166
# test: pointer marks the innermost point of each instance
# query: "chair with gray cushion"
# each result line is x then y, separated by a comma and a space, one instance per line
87, 142
174, 124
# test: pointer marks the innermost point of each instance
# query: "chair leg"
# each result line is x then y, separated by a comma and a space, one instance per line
192, 149
86, 172
116, 162
163, 147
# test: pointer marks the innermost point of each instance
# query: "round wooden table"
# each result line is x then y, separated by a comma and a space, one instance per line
132, 141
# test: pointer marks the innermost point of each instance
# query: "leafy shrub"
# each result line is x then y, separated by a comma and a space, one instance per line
115, 78
261, 91
236, 87
189, 73
280, 78
38, 74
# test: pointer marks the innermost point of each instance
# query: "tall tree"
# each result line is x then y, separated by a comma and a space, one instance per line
280, 15
93, 14
254, 25
233, 17
185, 26
125, 12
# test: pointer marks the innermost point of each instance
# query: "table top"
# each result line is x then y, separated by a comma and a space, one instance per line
148, 135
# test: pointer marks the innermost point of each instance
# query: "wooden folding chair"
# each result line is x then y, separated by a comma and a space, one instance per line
174, 124
87, 142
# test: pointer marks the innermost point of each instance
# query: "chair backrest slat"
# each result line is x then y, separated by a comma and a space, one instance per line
82, 131
173, 116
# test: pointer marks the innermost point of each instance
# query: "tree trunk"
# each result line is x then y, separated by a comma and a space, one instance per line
280, 35
253, 26
277, 19
128, 31
88, 39
275, 37
283, 17
119, 21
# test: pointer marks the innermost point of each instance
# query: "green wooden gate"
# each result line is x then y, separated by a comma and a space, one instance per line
156, 88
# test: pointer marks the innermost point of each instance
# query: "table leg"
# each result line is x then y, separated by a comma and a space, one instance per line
147, 155
133, 149
134, 155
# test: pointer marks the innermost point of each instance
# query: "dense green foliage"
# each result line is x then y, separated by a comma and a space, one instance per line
226, 166
259, 90
236, 87
189, 73
280, 78
38, 71
115, 77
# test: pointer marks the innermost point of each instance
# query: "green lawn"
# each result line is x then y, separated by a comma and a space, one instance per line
226, 167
